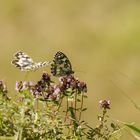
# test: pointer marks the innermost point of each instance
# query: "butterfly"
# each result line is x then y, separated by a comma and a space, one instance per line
25, 63
61, 65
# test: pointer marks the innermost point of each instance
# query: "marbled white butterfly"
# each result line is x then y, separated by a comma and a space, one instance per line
25, 63
61, 65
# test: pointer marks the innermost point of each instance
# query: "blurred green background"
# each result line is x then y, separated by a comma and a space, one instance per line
101, 38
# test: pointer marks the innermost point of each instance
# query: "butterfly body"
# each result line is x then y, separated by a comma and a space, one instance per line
25, 63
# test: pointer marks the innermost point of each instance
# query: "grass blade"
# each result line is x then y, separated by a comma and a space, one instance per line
134, 128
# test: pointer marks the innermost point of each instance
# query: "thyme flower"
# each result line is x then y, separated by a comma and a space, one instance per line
105, 104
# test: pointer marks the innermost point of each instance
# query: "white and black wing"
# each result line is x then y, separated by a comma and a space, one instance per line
22, 61
25, 63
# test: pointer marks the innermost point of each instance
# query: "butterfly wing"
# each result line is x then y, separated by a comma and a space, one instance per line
22, 61
61, 65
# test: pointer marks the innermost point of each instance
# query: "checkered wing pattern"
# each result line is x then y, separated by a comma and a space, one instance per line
61, 65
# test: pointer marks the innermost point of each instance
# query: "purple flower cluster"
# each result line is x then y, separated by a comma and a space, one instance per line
49, 91
46, 90
105, 104
69, 81
3, 88
53, 93
21, 86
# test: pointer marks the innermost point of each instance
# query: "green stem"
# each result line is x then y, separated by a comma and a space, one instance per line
75, 104
72, 113
21, 127
37, 104
60, 104
81, 108
66, 109
20, 133
103, 118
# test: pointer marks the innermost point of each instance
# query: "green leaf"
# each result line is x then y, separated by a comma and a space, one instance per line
84, 109
134, 128
71, 109
78, 100
85, 96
